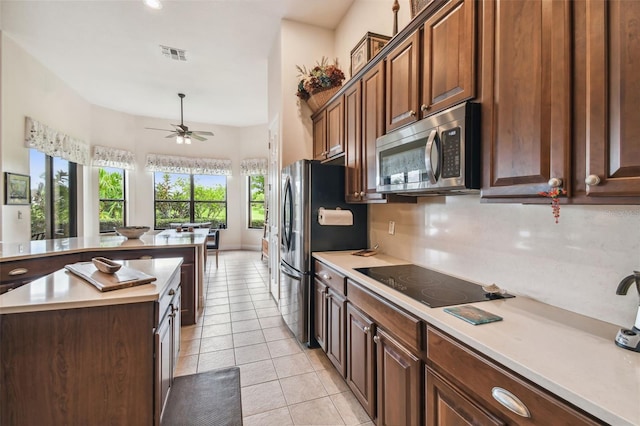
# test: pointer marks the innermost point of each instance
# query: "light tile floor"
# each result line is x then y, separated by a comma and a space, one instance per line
283, 382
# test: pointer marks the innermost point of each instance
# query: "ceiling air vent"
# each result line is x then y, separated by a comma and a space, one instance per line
173, 53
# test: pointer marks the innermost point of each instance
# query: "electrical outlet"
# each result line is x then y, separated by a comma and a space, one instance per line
392, 227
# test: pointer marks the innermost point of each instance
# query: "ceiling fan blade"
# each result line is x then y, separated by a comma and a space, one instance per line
163, 130
196, 137
203, 133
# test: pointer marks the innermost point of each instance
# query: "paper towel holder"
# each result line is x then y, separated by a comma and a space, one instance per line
337, 217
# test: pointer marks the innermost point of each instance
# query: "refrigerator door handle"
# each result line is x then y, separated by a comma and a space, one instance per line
290, 275
287, 228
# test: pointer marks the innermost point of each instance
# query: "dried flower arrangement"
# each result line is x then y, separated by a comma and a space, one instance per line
319, 78
554, 194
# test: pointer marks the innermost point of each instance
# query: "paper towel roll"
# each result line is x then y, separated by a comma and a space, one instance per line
337, 217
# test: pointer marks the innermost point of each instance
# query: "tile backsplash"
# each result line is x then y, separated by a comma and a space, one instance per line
575, 264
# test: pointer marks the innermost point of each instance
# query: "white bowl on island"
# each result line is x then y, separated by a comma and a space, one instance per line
131, 232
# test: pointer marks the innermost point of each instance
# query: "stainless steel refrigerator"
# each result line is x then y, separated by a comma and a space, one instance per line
306, 187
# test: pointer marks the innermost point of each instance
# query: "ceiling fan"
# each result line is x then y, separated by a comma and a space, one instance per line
181, 132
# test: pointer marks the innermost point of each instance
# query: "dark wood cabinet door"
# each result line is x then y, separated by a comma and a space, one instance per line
372, 128
164, 357
399, 383
336, 339
335, 128
320, 136
320, 313
361, 359
402, 83
612, 92
353, 143
526, 89
449, 56
448, 406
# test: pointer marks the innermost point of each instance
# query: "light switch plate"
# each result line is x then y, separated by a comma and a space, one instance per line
392, 227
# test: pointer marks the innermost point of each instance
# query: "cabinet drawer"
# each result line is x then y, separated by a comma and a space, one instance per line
483, 379
330, 277
405, 327
27, 270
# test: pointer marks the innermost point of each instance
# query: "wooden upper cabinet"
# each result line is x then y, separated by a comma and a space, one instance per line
373, 102
449, 56
612, 92
335, 128
526, 115
320, 136
353, 142
402, 83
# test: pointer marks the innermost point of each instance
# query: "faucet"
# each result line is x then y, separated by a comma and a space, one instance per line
626, 282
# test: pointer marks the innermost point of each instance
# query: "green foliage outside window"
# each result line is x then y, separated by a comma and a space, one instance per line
183, 198
256, 201
112, 198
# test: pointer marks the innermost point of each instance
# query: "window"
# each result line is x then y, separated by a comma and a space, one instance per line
256, 201
183, 198
111, 186
53, 196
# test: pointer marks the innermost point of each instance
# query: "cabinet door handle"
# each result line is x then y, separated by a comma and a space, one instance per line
555, 182
172, 292
18, 271
362, 193
510, 402
592, 180
412, 113
366, 330
376, 339
355, 194
424, 108
326, 276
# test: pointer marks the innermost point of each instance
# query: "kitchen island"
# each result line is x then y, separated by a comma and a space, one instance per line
70, 354
562, 355
22, 263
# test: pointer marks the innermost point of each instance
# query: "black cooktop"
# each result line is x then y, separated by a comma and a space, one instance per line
432, 288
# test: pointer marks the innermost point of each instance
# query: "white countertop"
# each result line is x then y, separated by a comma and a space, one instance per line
64, 290
169, 238
571, 355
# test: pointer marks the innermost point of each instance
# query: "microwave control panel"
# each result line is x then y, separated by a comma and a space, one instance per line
451, 153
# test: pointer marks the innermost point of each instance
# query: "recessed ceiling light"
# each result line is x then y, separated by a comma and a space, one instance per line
153, 4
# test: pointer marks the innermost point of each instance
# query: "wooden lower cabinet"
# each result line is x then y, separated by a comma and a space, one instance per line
446, 405
336, 340
320, 313
85, 366
361, 359
399, 383
464, 385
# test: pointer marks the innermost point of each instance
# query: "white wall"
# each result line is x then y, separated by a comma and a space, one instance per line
300, 45
29, 89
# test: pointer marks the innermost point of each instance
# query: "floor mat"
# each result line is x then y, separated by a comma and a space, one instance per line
211, 398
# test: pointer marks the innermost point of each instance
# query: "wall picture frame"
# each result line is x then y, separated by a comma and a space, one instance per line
366, 49
17, 189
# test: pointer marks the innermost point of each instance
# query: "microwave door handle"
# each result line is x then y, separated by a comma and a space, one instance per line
427, 156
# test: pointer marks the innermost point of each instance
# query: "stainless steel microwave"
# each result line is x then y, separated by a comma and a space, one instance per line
436, 155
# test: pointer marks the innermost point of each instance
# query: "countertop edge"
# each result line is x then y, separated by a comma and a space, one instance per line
441, 320
81, 294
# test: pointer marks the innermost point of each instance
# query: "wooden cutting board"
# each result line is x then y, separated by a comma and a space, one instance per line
123, 278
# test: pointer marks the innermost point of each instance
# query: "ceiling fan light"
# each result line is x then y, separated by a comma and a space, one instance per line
187, 140
153, 4
179, 140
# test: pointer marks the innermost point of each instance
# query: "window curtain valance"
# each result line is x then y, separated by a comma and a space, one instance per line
196, 166
54, 143
104, 156
254, 166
